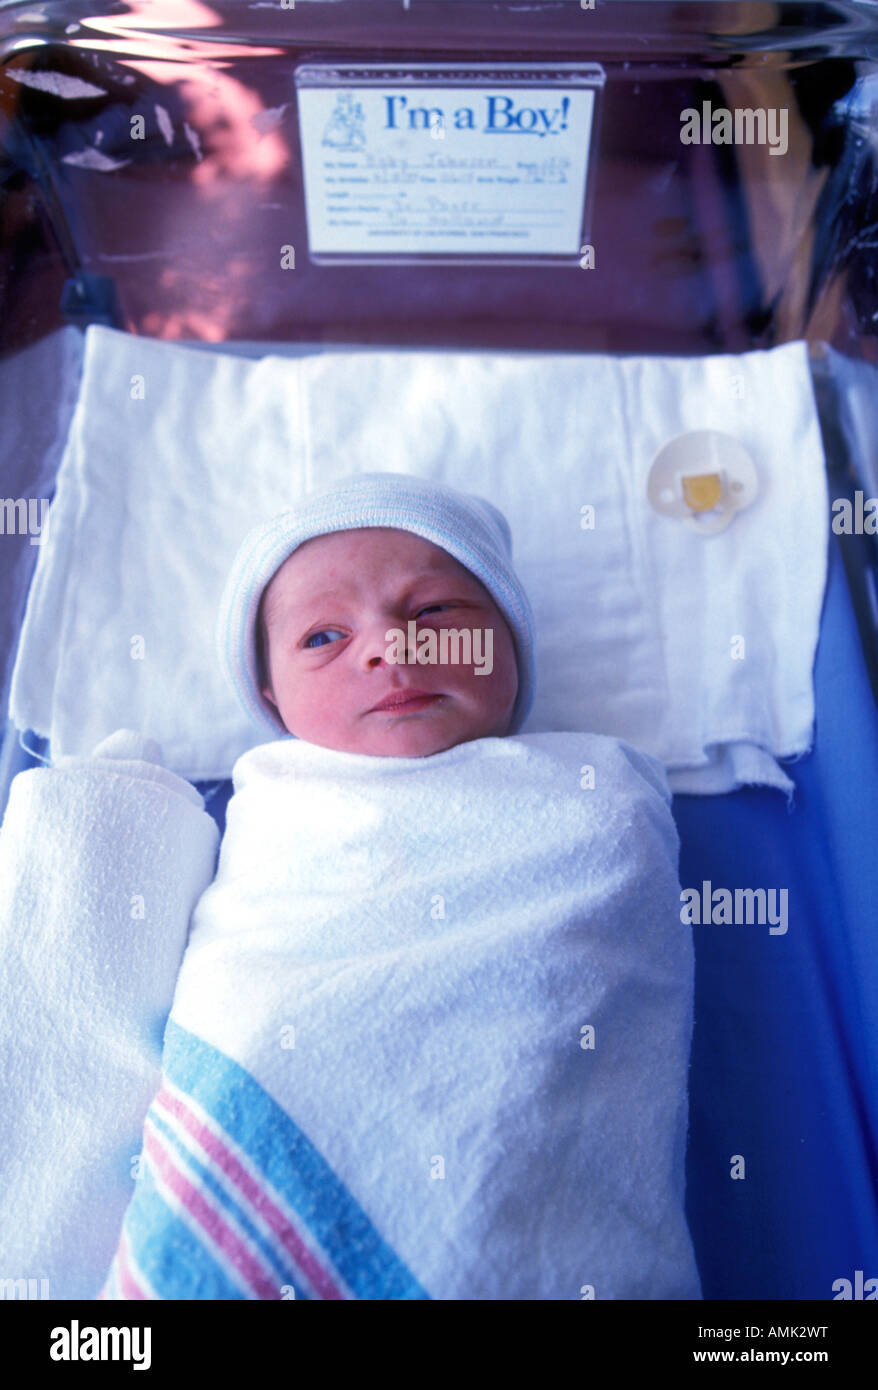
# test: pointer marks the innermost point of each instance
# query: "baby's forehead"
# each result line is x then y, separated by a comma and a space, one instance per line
359, 559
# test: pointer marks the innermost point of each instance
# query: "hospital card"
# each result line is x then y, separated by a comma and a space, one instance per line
447, 162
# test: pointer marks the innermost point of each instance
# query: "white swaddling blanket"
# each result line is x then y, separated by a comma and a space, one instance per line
102, 860
407, 955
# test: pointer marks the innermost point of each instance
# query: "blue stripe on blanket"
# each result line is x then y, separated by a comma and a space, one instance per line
201, 1174
168, 1253
337, 1228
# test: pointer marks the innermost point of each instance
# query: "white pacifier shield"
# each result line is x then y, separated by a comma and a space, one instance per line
702, 457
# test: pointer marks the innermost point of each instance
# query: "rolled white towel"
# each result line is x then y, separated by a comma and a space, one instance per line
102, 860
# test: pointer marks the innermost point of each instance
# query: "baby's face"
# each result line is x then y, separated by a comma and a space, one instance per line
328, 611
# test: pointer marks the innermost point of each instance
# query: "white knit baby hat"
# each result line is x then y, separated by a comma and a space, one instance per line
469, 528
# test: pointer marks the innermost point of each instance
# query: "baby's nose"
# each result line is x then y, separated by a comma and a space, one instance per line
388, 641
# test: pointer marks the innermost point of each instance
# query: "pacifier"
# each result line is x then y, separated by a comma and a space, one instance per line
702, 478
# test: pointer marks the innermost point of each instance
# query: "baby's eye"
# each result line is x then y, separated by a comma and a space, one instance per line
321, 633
432, 605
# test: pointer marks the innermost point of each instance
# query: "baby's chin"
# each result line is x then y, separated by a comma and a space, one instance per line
399, 742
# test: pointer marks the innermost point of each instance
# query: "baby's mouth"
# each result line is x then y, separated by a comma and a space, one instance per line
405, 701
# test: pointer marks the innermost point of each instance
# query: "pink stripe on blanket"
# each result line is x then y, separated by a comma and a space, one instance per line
221, 1234
319, 1277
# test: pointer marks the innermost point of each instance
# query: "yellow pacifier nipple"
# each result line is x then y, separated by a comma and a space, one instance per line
701, 491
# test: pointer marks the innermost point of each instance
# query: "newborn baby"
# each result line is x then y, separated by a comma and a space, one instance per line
431, 1032
328, 619
338, 642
